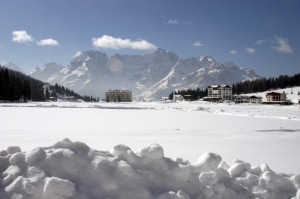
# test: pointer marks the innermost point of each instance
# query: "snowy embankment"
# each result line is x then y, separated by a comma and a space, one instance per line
72, 170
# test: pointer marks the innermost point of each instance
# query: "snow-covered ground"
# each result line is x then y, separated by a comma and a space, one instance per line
256, 134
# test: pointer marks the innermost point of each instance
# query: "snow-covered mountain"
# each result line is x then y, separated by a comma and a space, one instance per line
13, 66
148, 76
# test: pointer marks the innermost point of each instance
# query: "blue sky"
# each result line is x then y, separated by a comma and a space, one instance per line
263, 35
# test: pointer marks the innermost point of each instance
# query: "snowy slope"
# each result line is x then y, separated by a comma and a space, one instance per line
148, 76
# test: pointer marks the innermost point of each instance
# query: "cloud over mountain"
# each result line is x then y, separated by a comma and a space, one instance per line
282, 45
250, 50
21, 36
48, 42
198, 44
107, 41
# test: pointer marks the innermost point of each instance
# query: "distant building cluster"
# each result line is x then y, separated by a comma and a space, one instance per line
215, 93
223, 93
118, 96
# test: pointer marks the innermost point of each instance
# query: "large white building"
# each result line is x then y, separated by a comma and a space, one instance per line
118, 96
219, 93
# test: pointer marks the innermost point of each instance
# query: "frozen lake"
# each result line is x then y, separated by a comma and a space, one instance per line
254, 133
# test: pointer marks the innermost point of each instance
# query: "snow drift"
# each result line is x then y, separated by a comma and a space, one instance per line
74, 170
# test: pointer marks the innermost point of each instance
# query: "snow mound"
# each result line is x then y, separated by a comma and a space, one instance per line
72, 170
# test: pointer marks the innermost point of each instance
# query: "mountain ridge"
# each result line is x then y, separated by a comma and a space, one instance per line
149, 76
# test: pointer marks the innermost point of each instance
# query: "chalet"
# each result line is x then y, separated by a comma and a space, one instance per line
188, 97
255, 99
277, 98
118, 96
219, 93
178, 98
164, 99
238, 99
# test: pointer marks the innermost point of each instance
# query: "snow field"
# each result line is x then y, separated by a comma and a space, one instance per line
73, 170
255, 133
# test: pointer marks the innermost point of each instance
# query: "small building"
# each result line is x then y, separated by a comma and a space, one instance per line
178, 98
219, 93
164, 99
188, 97
240, 99
118, 96
255, 99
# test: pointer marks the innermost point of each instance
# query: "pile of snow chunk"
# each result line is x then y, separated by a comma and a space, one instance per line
72, 170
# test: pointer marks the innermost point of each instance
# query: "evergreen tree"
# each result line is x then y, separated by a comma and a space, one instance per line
47, 94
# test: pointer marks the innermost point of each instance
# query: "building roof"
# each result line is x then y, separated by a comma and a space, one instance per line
218, 86
255, 97
274, 93
116, 90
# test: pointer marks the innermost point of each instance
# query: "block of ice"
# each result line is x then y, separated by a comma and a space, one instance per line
13, 149
207, 162
153, 151
35, 155
56, 188
208, 178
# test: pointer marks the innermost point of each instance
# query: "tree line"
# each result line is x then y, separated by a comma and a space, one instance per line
264, 84
15, 86
59, 91
18, 87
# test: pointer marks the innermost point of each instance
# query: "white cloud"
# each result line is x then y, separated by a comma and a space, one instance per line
48, 42
107, 41
233, 52
21, 36
188, 22
250, 50
283, 45
172, 22
260, 41
198, 44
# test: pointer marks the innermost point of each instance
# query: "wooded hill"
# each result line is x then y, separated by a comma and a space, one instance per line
250, 86
18, 87
265, 84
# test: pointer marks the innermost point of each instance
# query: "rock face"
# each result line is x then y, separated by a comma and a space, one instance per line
149, 76
72, 170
